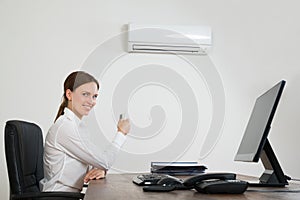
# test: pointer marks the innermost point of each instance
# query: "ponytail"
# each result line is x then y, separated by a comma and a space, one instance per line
62, 108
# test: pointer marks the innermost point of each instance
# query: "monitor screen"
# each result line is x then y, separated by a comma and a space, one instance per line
259, 124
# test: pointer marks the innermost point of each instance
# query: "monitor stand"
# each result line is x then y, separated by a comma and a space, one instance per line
273, 175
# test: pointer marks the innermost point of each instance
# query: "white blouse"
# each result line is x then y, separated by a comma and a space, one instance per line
68, 154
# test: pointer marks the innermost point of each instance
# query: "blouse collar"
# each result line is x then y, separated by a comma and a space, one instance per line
71, 115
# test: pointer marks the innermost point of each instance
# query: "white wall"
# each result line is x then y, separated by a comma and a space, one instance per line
254, 46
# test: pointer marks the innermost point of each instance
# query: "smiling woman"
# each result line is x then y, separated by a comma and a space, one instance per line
83, 99
85, 83
70, 158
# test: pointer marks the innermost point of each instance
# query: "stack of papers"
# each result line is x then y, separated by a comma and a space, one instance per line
177, 168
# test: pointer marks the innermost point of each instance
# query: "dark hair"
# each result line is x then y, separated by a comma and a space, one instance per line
73, 81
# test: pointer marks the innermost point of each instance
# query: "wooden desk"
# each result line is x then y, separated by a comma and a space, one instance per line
120, 186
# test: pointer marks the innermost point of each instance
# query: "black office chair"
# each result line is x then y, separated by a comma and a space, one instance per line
24, 156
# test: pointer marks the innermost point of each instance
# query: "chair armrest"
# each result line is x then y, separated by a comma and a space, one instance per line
48, 194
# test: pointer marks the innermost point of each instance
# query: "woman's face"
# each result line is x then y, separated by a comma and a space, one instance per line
82, 99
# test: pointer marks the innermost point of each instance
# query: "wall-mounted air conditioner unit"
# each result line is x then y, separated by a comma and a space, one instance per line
169, 39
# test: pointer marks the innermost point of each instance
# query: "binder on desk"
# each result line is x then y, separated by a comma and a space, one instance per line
177, 168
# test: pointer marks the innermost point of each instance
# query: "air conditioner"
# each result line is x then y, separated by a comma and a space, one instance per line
169, 39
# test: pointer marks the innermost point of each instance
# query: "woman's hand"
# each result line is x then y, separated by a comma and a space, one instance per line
124, 126
94, 174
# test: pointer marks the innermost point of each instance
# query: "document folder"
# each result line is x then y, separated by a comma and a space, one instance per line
177, 168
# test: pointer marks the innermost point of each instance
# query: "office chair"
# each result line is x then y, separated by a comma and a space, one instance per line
24, 156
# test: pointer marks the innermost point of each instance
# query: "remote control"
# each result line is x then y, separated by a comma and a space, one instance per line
122, 116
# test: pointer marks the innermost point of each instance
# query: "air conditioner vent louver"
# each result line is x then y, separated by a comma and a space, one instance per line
168, 49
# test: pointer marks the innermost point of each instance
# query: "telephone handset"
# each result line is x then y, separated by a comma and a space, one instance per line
202, 177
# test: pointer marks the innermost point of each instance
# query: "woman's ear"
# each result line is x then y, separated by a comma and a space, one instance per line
69, 94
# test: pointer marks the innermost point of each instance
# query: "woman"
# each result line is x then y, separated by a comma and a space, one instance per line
70, 159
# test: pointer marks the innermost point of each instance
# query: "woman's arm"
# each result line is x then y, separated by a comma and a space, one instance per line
74, 142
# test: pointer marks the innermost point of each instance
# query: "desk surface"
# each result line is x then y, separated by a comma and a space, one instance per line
120, 186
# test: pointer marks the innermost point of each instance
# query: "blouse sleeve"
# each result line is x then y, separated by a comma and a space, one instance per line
73, 142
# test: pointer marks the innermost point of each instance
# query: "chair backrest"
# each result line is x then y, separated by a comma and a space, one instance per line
24, 156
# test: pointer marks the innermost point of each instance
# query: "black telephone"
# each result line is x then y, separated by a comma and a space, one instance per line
217, 183
211, 183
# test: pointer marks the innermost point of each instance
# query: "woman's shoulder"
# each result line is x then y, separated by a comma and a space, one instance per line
63, 129
62, 123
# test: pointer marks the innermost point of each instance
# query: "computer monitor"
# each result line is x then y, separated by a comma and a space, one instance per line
255, 144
